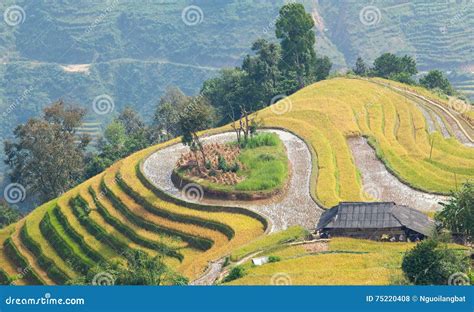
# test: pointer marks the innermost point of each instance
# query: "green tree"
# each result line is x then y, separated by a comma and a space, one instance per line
429, 263
47, 155
197, 115
8, 215
407, 64
360, 67
167, 113
294, 27
457, 214
435, 79
403, 77
389, 65
322, 68
227, 93
263, 74
235, 273
112, 147
123, 136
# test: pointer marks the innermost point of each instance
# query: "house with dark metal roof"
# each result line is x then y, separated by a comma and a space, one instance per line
375, 220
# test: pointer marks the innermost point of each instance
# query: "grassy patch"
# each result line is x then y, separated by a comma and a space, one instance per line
266, 164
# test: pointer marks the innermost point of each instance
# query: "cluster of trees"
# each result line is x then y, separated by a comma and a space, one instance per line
275, 68
125, 135
403, 69
48, 157
432, 262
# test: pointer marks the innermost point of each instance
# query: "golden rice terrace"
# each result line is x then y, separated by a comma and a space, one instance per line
118, 210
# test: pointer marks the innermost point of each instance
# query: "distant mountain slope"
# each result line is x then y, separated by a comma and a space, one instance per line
438, 33
131, 51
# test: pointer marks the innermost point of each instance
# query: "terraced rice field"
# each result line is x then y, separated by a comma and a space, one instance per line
325, 114
119, 210
102, 219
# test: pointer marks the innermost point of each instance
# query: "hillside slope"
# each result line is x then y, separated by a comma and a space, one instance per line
80, 50
120, 209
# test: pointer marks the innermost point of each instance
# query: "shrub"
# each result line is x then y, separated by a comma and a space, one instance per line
431, 264
4, 278
236, 272
458, 214
222, 164
235, 167
273, 259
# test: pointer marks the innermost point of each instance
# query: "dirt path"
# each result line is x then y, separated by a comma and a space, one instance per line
293, 207
211, 275
379, 183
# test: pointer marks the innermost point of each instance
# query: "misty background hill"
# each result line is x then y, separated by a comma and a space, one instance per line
130, 51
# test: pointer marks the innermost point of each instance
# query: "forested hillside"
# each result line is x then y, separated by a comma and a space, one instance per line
79, 50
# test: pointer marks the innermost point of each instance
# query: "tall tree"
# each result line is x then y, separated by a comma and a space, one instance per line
139, 135
322, 68
197, 115
263, 74
360, 67
294, 27
227, 93
47, 156
131, 121
407, 64
167, 113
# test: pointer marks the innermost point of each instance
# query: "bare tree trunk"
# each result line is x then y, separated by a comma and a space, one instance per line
237, 131
197, 162
201, 148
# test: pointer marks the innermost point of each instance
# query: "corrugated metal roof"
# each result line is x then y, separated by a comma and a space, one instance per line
375, 215
260, 260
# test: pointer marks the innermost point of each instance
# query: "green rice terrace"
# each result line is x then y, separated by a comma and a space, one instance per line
319, 147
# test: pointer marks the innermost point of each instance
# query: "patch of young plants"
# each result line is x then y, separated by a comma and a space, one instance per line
258, 163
